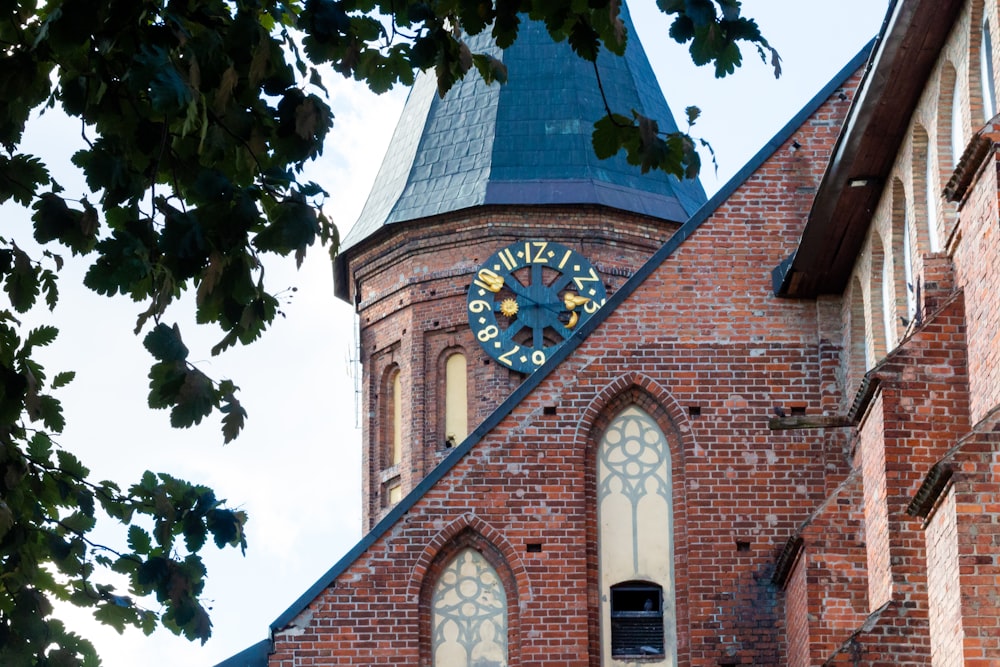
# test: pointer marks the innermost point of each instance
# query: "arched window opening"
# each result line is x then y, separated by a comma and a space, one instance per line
878, 300
469, 614
397, 419
888, 303
925, 182
637, 620
635, 539
911, 285
957, 123
456, 400
986, 72
900, 311
932, 194
860, 356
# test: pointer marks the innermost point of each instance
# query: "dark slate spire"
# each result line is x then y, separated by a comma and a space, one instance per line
525, 142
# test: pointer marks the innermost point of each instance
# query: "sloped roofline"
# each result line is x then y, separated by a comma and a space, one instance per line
907, 49
247, 657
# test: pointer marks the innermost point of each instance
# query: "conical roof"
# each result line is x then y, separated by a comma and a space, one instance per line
525, 142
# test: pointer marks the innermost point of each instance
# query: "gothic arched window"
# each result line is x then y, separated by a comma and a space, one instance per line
986, 72
957, 122
636, 543
903, 308
393, 410
925, 179
469, 614
456, 399
880, 296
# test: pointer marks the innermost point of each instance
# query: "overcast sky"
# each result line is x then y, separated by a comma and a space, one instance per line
296, 468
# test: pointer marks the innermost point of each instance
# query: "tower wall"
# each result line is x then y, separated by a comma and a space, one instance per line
409, 285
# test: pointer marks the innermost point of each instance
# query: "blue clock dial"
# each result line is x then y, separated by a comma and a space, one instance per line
528, 298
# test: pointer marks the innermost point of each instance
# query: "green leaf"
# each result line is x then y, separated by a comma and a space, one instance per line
195, 400
610, 135
165, 344
139, 540
40, 337
293, 225
52, 414
20, 178
233, 418
62, 379
40, 446
71, 465
22, 284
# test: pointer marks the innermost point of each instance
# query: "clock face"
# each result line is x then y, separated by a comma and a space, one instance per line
528, 298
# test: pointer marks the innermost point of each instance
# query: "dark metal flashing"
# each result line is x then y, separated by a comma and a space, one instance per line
786, 560
983, 143
930, 491
905, 53
570, 345
255, 656
864, 395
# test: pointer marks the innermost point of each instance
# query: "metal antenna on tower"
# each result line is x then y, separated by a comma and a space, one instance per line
354, 370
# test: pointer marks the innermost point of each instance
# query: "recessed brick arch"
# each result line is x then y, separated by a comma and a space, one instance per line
645, 393
469, 531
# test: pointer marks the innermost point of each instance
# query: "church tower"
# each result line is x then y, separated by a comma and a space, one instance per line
496, 190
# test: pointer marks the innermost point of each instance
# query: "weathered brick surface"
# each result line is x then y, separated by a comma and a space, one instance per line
942, 585
410, 287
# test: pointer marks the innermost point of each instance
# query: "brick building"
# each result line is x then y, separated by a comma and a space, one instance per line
608, 423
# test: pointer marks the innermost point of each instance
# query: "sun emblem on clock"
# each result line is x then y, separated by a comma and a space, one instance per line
508, 307
528, 298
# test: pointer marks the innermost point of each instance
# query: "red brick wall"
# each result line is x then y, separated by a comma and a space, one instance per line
871, 451
942, 585
977, 488
797, 615
412, 285
837, 572
979, 276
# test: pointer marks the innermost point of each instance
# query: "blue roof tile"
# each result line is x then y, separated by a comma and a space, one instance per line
526, 142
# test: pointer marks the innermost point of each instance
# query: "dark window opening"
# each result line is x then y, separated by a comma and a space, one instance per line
694, 410
637, 620
549, 410
534, 547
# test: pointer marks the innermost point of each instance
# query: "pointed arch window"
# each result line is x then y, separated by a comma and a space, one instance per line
888, 303
635, 540
456, 399
908, 277
932, 194
879, 296
469, 614
395, 418
986, 72
860, 356
957, 124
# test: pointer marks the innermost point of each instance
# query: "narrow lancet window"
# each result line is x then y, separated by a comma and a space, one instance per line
396, 432
986, 72
456, 412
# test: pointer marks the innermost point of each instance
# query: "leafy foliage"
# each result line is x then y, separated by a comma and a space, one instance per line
198, 118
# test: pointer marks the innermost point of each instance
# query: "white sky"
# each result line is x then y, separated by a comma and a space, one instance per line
297, 468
